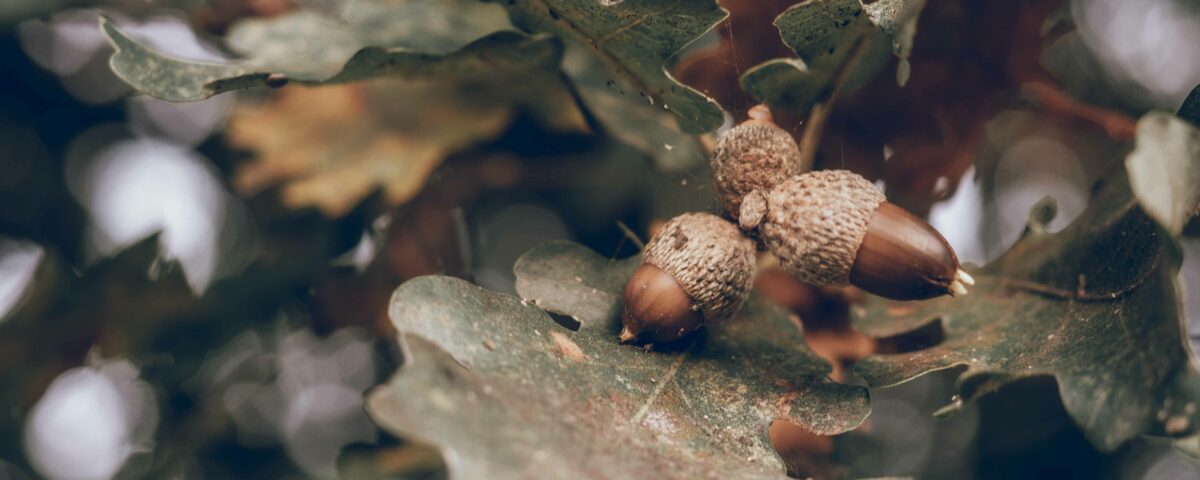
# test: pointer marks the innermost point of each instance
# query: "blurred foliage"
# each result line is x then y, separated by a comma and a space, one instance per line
306, 48
333, 146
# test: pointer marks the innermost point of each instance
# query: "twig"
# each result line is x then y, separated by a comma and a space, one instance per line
1054, 101
630, 235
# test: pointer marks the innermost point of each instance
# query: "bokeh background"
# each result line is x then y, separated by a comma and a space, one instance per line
199, 290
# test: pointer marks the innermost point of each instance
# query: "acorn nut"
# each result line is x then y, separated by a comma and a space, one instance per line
835, 228
698, 269
755, 155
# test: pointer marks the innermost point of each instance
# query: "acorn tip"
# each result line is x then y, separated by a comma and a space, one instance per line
957, 288
626, 336
760, 113
962, 276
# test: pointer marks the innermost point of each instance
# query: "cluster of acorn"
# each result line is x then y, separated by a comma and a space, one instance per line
828, 228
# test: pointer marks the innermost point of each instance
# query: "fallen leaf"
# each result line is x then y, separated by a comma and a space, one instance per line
487, 381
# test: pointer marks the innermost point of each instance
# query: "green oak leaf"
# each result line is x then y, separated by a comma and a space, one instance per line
1095, 306
1164, 168
636, 41
627, 118
504, 391
825, 34
417, 39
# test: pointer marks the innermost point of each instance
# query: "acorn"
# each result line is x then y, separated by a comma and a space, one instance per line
834, 228
755, 155
698, 269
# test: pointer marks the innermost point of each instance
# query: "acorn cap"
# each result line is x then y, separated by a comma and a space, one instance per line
710, 259
755, 155
815, 223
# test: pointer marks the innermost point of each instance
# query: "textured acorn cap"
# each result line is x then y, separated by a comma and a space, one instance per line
815, 223
710, 259
755, 155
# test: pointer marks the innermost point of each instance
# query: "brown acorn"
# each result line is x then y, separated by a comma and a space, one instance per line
697, 269
834, 228
755, 155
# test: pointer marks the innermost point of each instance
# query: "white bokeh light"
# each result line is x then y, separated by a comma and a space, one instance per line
78, 429
134, 188
65, 42
18, 264
320, 420
1150, 42
182, 123
89, 421
301, 391
70, 44
958, 219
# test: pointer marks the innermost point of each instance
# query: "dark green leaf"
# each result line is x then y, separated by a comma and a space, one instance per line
627, 117
1094, 306
1190, 110
407, 40
825, 34
635, 40
506, 392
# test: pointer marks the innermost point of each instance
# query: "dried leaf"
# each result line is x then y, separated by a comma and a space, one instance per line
505, 392
1095, 306
332, 146
418, 39
1164, 169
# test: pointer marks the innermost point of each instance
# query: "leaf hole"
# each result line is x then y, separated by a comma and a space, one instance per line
566, 321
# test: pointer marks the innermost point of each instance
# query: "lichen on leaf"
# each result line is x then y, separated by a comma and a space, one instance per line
1095, 306
504, 391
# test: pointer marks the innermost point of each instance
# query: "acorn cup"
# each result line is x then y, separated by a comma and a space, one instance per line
698, 269
834, 228
755, 155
